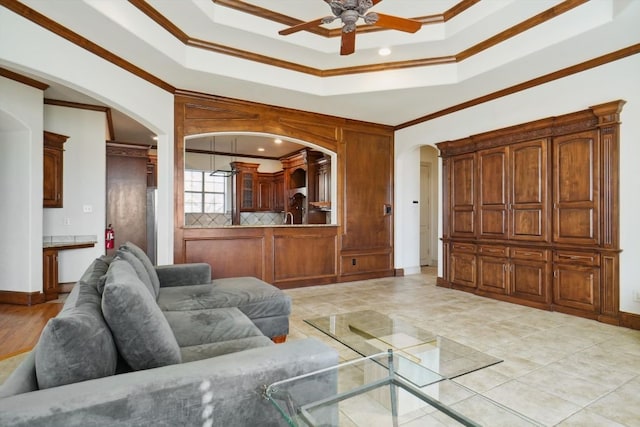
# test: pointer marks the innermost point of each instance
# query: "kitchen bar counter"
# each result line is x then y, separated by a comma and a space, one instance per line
51, 245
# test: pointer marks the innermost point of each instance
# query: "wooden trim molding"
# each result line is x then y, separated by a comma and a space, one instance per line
51, 25
21, 298
90, 107
565, 72
630, 320
23, 79
454, 11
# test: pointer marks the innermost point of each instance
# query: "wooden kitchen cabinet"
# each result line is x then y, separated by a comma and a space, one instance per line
53, 156
265, 192
531, 213
50, 273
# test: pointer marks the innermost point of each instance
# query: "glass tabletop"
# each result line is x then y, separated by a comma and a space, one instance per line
369, 332
384, 389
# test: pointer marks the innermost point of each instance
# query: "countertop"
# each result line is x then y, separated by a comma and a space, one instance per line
69, 242
264, 226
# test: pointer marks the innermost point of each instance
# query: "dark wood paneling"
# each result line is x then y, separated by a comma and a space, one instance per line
368, 174
304, 256
127, 195
229, 257
364, 206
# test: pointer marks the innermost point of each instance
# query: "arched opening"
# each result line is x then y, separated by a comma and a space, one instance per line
256, 179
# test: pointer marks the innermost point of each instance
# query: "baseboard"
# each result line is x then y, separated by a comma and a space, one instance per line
21, 298
65, 288
630, 320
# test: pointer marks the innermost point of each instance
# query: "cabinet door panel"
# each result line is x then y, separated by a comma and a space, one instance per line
528, 191
463, 269
462, 195
492, 193
530, 280
577, 287
492, 274
576, 189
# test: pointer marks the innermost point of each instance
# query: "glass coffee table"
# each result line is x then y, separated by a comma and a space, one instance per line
384, 389
369, 332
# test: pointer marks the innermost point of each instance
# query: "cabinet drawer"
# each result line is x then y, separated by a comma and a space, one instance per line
497, 251
463, 247
528, 253
583, 258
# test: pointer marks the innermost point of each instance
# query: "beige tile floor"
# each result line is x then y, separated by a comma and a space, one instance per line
558, 370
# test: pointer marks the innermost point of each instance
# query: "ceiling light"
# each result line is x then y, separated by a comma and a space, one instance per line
277, 141
384, 51
260, 149
155, 138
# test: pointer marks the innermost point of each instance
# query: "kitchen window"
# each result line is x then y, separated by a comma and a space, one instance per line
204, 193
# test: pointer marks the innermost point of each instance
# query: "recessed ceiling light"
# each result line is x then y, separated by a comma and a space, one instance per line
155, 138
384, 51
260, 149
277, 141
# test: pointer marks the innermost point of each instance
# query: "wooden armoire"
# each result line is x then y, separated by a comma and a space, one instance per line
530, 213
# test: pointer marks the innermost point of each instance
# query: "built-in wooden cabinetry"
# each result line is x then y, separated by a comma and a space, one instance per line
53, 156
531, 213
359, 245
50, 273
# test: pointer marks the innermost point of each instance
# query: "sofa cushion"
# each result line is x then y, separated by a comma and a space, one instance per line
76, 345
206, 351
142, 256
251, 296
194, 327
97, 269
140, 270
141, 332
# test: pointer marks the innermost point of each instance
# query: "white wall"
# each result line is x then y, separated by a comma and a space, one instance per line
618, 80
44, 55
84, 163
20, 187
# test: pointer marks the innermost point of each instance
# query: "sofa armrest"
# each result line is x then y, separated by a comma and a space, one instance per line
184, 274
172, 395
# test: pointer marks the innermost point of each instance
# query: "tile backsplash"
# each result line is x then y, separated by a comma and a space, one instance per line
221, 220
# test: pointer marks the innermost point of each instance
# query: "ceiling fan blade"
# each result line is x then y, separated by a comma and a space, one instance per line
396, 23
348, 43
300, 27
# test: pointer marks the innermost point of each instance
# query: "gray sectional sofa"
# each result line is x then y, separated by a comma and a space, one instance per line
138, 345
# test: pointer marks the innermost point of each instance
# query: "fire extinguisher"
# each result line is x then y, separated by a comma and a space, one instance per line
109, 237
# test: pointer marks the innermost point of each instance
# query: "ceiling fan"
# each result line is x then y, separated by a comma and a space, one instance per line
349, 11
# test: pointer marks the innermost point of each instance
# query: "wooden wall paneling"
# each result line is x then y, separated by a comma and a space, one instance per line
224, 255
303, 255
365, 155
493, 166
127, 195
368, 171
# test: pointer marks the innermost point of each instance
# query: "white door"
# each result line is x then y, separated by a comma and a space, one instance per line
425, 214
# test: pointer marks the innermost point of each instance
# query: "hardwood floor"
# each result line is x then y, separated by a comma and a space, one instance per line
20, 326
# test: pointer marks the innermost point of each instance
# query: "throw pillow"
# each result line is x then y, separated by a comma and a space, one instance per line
138, 267
76, 345
142, 256
141, 332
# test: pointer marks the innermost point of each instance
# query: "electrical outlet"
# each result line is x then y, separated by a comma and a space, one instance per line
636, 296
67, 221
87, 208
